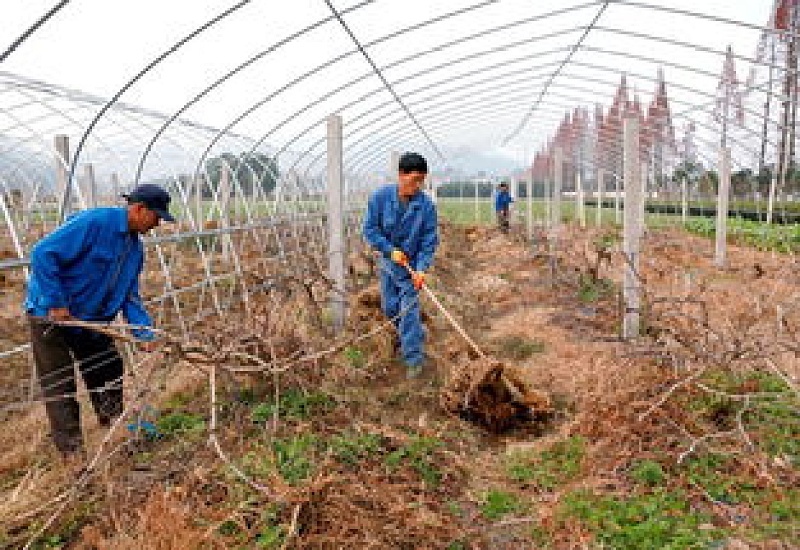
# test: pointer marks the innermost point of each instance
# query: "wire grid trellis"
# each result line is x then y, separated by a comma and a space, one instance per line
250, 189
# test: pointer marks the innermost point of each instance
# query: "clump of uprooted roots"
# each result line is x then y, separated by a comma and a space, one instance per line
492, 394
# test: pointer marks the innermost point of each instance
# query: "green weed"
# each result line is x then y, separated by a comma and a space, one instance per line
355, 357
657, 521
773, 422
648, 472
180, 423
293, 403
272, 534
292, 457
591, 290
712, 473
519, 348
455, 508
497, 504
782, 513
351, 449
418, 454
552, 467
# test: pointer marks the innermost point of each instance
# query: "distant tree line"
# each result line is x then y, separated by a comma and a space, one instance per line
743, 182
250, 170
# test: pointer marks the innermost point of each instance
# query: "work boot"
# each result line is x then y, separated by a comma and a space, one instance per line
396, 347
413, 371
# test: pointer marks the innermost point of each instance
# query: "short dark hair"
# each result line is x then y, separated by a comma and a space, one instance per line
503, 184
412, 162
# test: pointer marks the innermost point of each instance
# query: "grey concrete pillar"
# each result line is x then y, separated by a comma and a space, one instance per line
476, 196
394, 163
224, 196
684, 199
580, 202
601, 175
558, 181
634, 197
430, 187
115, 188
90, 193
336, 251
529, 203
513, 191
224, 192
62, 173
548, 201
199, 184
773, 185
722, 206
645, 187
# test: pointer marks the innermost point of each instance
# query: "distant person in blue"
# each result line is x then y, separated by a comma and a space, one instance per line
89, 269
401, 224
502, 200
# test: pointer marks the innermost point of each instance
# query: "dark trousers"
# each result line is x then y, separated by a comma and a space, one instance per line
56, 350
503, 220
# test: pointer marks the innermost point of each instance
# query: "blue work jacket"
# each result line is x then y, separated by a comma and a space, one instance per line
91, 265
388, 225
502, 200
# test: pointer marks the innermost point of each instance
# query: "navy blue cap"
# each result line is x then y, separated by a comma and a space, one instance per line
154, 198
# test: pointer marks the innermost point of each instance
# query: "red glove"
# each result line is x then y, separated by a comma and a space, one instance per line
418, 278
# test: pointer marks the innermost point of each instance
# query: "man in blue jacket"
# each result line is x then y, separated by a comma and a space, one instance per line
401, 224
88, 269
502, 200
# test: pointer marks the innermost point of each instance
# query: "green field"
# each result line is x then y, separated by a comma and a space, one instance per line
780, 238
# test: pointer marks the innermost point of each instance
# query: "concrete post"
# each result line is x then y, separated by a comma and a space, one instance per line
645, 187
336, 251
599, 198
722, 206
558, 179
513, 191
62, 173
580, 202
547, 191
430, 185
394, 164
91, 186
633, 225
476, 195
771, 199
529, 203
115, 189
198, 201
224, 197
684, 199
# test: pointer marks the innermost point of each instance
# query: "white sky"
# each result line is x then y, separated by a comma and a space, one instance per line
97, 45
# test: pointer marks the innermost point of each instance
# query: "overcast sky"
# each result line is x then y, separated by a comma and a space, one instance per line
97, 45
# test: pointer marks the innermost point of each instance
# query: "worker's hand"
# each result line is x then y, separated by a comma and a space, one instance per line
418, 278
59, 314
399, 257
